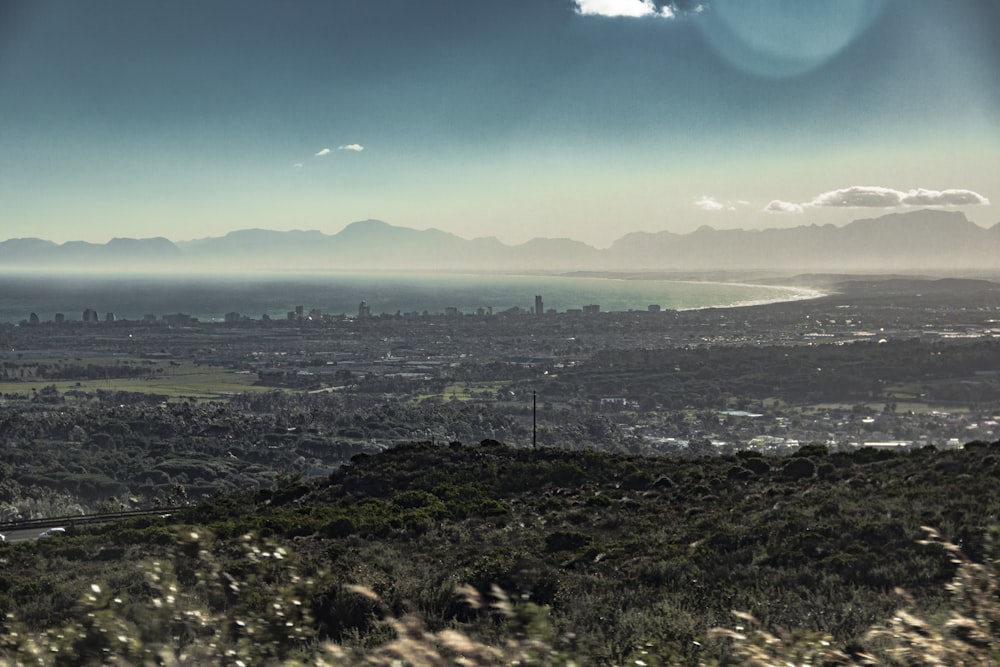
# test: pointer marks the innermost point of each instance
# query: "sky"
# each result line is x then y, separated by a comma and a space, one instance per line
516, 119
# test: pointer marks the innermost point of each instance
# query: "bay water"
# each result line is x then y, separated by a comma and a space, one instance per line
210, 297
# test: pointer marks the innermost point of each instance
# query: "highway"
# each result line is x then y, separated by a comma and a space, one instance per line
30, 530
22, 534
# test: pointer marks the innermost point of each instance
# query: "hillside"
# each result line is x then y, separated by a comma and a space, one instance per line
607, 558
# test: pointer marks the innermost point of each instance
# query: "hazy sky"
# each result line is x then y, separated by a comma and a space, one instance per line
507, 118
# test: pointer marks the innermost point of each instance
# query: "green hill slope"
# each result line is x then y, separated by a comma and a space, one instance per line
607, 556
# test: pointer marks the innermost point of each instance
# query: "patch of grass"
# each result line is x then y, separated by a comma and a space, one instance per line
470, 391
177, 380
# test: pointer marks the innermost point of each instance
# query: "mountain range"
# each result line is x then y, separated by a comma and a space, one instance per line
924, 240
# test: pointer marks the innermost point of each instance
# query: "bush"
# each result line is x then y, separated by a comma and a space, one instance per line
566, 540
798, 468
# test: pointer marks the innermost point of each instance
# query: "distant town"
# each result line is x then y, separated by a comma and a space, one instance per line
316, 315
691, 393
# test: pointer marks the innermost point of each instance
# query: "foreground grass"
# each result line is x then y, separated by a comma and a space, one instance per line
462, 554
194, 611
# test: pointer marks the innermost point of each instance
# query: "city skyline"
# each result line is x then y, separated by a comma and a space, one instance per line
530, 118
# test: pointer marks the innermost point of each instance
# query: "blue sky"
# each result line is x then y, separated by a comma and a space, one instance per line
515, 119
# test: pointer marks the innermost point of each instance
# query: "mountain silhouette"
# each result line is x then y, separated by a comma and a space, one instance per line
925, 239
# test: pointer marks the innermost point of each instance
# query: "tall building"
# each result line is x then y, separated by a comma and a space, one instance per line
539, 309
364, 310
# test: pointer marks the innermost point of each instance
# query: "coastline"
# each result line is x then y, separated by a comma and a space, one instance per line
211, 297
800, 294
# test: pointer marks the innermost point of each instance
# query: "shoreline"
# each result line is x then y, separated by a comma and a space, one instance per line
389, 292
801, 294
210, 299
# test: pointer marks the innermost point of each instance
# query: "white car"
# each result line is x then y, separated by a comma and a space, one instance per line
51, 532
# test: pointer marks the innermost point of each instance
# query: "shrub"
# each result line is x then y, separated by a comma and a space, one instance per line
566, 540
798, 468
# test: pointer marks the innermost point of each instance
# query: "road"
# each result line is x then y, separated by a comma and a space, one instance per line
22, 534
30, 530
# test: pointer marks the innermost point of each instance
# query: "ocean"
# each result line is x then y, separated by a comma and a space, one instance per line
210, 297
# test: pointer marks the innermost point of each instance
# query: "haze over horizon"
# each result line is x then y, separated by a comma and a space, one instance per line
584, 119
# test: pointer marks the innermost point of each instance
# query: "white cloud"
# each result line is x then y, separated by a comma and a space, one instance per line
634, 8
298, 165
325, 151
357, 148
859, 196
875, 196
778, 206
868, 196
707, 203
922, 197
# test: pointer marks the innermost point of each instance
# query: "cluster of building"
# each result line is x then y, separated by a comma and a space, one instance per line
91, 316
299, 314
365, 312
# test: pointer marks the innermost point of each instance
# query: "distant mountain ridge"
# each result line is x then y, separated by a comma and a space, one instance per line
116, 253
915, 240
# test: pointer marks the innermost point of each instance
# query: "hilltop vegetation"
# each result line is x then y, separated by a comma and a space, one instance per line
605, 555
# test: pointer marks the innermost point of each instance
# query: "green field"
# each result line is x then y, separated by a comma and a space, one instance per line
469, 391
172, 379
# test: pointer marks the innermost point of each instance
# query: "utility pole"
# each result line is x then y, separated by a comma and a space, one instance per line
534, 420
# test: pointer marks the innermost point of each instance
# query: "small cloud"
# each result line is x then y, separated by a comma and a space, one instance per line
859, 196
778, 206
321, 153
632, 8
357, 148
298, 165
922, 197
707, 203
